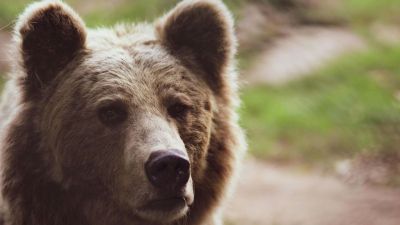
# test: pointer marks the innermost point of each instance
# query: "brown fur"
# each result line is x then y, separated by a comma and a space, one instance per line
62, 166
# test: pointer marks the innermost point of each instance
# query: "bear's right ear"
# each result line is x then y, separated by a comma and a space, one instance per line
48, 34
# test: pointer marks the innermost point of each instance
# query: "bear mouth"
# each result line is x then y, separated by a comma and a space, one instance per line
164, 209
167, 204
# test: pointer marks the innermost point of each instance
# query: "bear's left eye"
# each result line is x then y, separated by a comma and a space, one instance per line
178, 110
112, 114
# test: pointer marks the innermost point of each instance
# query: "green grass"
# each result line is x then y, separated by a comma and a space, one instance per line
125, 10
345, 109
366, 11
139, 10
359, 12
9, 10
1, 83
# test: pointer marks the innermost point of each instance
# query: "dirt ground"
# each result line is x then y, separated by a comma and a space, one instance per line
300, 52
271, 195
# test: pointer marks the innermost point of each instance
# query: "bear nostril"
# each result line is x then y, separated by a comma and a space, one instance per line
168, 169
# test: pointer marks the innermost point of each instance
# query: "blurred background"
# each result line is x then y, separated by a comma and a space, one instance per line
321, 105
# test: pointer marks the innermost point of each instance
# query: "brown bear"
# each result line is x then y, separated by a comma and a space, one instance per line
130, 125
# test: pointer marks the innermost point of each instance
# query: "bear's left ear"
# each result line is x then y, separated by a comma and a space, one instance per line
48, 34
203, 29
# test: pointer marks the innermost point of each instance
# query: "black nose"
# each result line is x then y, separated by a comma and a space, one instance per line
168, 169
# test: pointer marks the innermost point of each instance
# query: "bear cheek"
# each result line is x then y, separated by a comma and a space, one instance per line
88, 159
196, 136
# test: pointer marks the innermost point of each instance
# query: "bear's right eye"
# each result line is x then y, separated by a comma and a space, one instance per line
112, 114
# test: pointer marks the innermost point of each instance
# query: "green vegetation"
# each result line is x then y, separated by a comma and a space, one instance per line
140, 10
103, 13
347, 108
367, 11
9, 10
355, 11
1, 82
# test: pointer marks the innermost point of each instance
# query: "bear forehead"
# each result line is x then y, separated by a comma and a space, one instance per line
128, 65
123, 35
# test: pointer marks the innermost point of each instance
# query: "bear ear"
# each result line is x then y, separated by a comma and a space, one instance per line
48, 34
204, 30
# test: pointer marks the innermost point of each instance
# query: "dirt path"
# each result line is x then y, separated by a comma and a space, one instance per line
268, 195
300, 52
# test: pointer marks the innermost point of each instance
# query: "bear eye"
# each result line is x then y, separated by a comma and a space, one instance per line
178, 110
112, 114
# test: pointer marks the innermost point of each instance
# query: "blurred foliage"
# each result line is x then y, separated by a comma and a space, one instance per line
347, 108
139, 10
367, 11
102, 14
9, 10
105, 12
353, 11
1, 82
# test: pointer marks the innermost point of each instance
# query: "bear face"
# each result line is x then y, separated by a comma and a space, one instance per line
139, 101
134, 117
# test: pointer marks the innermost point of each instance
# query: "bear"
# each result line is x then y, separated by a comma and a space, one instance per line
135, 124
